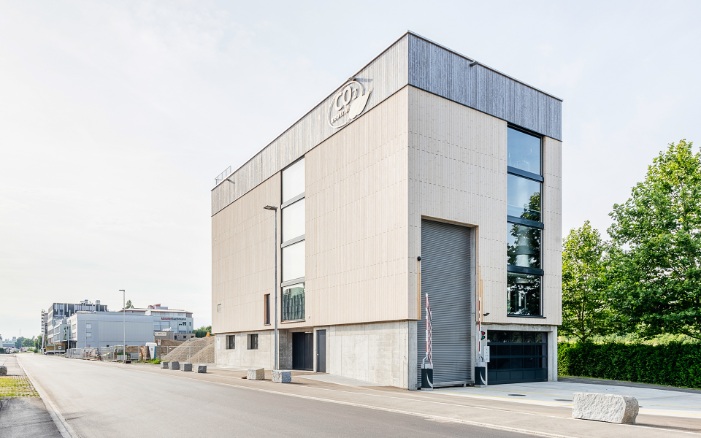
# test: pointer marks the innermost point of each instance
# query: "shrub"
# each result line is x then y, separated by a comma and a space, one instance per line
674, 364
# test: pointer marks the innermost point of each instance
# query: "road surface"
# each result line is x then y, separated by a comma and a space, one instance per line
114, 400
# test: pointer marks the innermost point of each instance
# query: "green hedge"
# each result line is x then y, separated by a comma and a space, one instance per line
673, 364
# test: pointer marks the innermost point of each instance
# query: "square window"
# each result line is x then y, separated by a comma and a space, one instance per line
523, 294
293, 261
523, 198
293, 302
253, 341
523, 151
523, 245
230, 342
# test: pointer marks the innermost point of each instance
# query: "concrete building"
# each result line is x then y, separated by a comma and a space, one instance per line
427, 174
107, 329
171, 324
55, 322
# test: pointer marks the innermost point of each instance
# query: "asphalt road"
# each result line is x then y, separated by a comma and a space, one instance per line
110, 400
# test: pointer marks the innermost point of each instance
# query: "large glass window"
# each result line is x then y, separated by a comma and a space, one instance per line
293, 247
293, 181
525, 227
293, 302
524, 294
523, 151
523, 198
523, 245
293, 261
293, 220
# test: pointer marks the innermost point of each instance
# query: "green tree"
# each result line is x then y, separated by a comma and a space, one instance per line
129, 305
202, 331
27, 342
656, 266
585, 311
38, 342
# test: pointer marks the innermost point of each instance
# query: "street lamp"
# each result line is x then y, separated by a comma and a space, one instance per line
124, 324
270, 207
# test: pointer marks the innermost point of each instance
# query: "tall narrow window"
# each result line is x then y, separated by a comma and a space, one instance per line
525, 224
293, 247
266, 309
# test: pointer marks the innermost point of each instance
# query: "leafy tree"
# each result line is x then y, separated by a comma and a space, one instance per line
27, 342
585, 311
129, 305
202, 331
38, 342
656, 267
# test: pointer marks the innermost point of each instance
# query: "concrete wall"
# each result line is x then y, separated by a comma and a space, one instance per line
241, 356
375, 353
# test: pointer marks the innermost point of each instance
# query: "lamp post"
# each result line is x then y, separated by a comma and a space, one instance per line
270, 207
124, 325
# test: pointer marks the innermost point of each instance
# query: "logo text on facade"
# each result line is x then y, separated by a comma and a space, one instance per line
347, 104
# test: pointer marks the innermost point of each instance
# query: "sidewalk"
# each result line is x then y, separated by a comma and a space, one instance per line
24, 416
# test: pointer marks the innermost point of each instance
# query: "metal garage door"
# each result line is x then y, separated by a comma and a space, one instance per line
446, 264
517, 357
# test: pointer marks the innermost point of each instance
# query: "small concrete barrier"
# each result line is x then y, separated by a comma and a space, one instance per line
187, 366
175, 365
282, 376
611, 408
3, 370
255, 374
164, 365
202, 369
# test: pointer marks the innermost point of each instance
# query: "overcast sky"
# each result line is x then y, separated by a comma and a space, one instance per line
115, 117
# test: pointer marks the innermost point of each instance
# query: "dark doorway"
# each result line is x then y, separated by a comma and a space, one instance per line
517, 357
303, 351
321, 351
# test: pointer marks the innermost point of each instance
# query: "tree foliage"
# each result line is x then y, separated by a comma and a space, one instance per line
585, 311
656, 235
202, 331
129, 305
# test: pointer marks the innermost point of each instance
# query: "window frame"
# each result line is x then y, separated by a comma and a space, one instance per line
231, 342
252, 341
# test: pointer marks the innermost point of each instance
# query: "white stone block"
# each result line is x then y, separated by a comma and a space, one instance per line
611, 408
164, 365
255, 374
187, 366
282, 376
174, 365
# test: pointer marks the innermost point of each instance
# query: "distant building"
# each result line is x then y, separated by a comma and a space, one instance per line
57, 330
173, 324
90, 325
107, 329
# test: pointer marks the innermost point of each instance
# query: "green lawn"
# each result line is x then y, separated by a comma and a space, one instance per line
16, 386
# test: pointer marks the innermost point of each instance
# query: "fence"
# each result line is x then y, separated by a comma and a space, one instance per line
133, 352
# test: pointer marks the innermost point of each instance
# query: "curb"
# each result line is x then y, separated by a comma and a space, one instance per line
62, 425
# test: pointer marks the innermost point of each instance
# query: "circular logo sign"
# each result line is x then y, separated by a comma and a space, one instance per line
347, 104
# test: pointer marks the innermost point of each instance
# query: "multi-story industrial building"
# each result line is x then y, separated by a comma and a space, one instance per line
57, 329
427, 180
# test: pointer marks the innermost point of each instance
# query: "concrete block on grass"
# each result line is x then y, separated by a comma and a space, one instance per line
255, 374
611, 408
175, 365
164, 365
282, 376
202, 368
187, 366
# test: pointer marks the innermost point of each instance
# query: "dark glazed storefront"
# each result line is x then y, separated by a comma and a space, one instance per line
517, 357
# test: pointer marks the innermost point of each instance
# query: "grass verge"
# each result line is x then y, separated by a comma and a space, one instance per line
16, 386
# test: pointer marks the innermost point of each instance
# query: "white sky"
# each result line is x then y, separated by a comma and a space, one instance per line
115, 117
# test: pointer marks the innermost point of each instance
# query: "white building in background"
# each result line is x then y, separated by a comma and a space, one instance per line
173, 324
55, 326
107, 329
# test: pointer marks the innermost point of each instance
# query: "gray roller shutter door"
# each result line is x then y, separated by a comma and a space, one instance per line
446, 266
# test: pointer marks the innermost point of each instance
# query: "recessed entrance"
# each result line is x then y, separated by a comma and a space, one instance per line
302, 351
